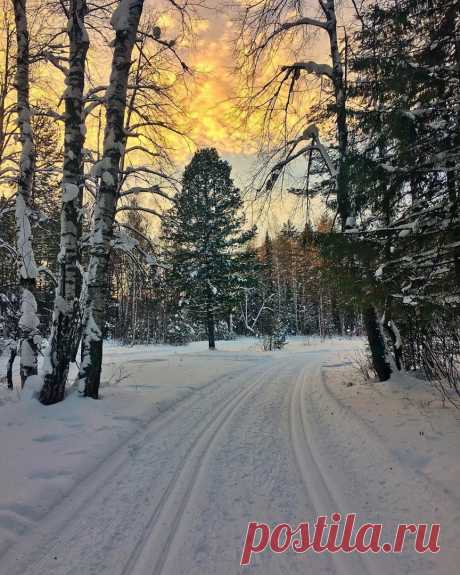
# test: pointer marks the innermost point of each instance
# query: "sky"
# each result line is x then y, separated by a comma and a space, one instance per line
214, 115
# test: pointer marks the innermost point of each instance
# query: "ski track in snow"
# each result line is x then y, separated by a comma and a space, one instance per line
315, 479
254, 444
153, 550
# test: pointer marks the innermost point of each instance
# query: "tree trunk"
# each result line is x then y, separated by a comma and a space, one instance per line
107, 195
29, 336
343, 196
210, 320
9, 368
66, 306
211, 331
395, 337
377, 344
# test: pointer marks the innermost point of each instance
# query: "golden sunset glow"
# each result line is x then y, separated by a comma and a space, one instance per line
210, 95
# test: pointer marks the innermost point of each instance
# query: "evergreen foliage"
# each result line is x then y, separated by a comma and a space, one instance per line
204, 238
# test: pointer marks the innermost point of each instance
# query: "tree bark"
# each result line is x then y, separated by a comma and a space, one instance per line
107, 195
29, 335
66, 306
343, 196
376, 344
211, 331
9, 367
395, 337
210, 320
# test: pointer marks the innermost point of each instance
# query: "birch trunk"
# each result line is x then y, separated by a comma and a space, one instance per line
125, 22
66, 304
29, 336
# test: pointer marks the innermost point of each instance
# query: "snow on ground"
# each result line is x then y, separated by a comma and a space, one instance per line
187, 446
45, 450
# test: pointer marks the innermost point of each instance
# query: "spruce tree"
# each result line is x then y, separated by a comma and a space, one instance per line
404, 175
204, 238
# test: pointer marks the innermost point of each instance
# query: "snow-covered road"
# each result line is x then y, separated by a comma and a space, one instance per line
275, 438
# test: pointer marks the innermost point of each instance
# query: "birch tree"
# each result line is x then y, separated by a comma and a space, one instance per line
66, 306
125, 22
266, 28
29, 337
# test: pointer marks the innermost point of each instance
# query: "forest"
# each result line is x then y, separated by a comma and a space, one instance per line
107, 232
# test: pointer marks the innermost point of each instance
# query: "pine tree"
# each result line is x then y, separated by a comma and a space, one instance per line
204, 239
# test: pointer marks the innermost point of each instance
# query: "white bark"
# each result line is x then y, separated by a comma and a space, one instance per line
66, 306
125, 22
343, 199
28, 323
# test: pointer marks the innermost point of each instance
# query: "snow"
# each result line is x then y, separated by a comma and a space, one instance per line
28, 267
92, 328
163, 474
70, 192
213, 288
124, 242
28, 320
61, 304
350, 222
98, 168
28, 324
120, 16
108, 179
397, 334
312, 68
409, 300
27, 354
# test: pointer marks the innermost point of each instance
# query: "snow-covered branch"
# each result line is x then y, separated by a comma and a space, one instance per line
311, 68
